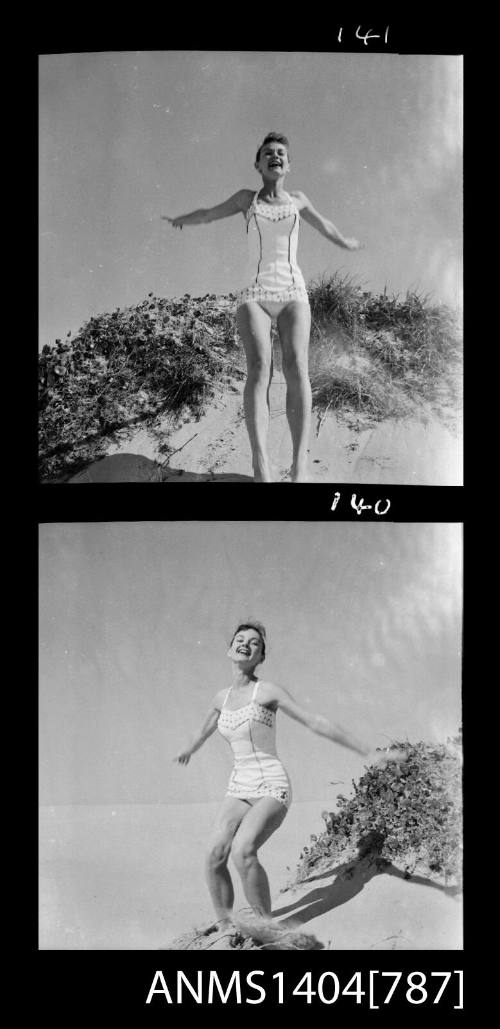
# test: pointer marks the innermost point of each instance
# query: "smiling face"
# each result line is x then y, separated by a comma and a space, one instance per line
246, 649
273, 162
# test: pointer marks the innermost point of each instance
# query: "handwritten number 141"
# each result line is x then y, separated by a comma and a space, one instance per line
366, 36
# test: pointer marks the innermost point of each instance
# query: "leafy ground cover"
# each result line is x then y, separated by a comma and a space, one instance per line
129, 367
408, 814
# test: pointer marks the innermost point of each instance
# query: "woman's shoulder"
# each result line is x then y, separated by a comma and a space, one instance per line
245, 194
245, 197
219, 697
299, 197
268, 692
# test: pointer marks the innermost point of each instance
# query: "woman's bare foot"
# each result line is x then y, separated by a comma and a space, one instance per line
299, 473
262, 472
219, 926
263, 930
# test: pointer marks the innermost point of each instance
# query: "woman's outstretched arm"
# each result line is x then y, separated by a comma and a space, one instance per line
321, 725
270, 692
325, 226
209, 726
236, 203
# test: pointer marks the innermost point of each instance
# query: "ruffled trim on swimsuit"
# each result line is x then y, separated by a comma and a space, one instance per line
265, 789
274, 212
279, 295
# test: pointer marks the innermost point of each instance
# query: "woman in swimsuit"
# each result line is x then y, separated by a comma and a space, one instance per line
275, 291
259, 791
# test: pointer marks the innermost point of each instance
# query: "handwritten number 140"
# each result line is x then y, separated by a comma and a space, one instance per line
380, 507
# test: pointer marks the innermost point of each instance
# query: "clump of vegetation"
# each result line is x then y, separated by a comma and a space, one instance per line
374, 356
160, 357
408, 813
336, 298
400, 352
247, 933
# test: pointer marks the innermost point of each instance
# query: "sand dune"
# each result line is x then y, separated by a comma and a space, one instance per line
416, 451
131, 878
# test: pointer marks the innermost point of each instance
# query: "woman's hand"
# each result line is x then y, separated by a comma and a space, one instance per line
183, 757
353, 244
382, 758
176, 223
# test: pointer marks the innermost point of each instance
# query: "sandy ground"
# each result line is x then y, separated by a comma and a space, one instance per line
131, 878
414, 451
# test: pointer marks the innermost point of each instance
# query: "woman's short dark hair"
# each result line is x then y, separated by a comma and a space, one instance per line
258, 628
272, 137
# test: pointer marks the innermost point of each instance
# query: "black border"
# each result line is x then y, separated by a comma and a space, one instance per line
233, 501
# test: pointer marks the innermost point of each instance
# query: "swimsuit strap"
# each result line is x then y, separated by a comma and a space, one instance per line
225, 698
251, 207
254, 694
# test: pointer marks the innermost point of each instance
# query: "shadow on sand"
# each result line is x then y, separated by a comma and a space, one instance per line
136, 468
350, 878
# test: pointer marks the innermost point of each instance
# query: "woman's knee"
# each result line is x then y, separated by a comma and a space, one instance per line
258, 368
218, 854
295, 367
243, 853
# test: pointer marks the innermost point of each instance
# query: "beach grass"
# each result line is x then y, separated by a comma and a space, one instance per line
382, 356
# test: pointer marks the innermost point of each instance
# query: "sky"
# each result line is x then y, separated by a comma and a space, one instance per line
124, 137
363, 626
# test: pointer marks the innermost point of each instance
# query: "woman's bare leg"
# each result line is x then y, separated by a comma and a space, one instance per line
218, 879
294, 323
259, 824
254, 327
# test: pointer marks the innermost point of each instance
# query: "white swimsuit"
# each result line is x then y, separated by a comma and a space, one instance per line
258, 771
273, 273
